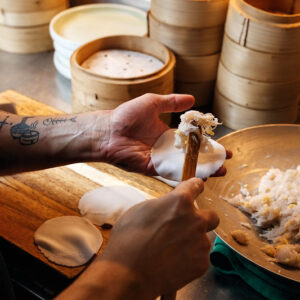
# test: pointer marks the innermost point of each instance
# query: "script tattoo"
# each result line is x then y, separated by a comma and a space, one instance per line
26, 134
3, 122
56, 121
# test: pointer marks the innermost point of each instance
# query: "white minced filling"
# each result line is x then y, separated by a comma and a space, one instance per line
276, 206
192, 121
117, 63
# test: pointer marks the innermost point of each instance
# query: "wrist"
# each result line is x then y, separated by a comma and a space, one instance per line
82, 141
107, 280
100, 136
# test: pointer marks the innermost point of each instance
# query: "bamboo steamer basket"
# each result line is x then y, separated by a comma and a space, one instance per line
237, 117
260, 66
264, 30
91, 91
190, 13
27, 13
186, 41
29, 5
195, 69
257, 94
202, 91
25, 39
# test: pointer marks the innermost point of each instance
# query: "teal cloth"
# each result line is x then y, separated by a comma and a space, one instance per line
268, 284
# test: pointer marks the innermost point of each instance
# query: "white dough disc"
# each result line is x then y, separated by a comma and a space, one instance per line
69, 240
168, 160
105, 205
118, 63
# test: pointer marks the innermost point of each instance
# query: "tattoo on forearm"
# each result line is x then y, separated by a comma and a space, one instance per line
26, 134
3, 122
56, 121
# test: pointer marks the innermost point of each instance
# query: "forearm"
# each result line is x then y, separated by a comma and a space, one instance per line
105, 280
31, 143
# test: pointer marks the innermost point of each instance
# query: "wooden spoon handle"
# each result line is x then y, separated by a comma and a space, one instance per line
191, 157
189, 171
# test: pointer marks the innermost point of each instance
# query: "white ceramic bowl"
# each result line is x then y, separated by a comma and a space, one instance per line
60, 67
76, 26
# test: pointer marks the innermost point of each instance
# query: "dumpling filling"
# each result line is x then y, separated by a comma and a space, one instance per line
276, 209
194, 121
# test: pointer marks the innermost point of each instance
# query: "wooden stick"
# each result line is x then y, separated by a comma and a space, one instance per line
189, 171
191, 157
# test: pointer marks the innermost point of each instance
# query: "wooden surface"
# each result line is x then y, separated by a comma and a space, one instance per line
29, 199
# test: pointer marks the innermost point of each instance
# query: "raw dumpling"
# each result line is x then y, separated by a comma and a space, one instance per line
168, 160
69, 240
105, 205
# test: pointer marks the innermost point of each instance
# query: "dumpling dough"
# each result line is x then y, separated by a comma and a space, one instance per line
69, 240
105, 205
168, 160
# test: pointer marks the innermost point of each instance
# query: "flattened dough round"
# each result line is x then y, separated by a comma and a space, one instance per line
69, 240
168, 160
105, 205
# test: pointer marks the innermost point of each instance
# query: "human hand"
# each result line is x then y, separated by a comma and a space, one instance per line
135, 126
164, 241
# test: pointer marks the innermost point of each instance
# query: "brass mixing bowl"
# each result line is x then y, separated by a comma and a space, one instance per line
255, 150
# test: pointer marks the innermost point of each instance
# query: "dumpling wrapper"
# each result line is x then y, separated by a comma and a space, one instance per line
69, 240
105, 205
168, 160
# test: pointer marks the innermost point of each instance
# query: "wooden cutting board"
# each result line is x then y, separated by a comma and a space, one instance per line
28, 199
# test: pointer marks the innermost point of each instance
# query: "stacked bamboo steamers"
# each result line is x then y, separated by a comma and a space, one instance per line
258, 78
24, 24
193, 30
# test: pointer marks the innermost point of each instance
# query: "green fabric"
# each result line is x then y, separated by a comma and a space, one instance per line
271, 286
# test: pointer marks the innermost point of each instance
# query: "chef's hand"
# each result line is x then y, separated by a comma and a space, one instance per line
164, 241
154, 249
134, 127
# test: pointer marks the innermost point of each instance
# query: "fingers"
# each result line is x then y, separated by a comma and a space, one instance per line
188, 190
175, 103
221, 172
210, 218
228, 154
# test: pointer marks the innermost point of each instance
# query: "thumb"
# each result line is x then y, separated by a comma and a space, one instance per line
175, 103
188, 190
